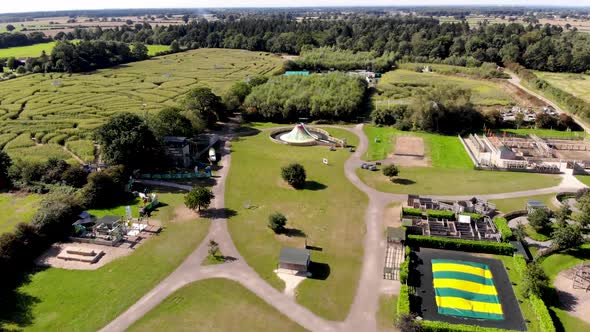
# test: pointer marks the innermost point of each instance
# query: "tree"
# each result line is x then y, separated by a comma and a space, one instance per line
535, 281
539, 220
127, 140
174, 46
277, 222
295, 175
185, 18
390, 171
104, 188
5, 163
10, 27
21, 70
519, 232
198, 198
583, 217
170, 122
213, 248
407, 323
54, 217
567, 237
562, 214
11, 63
139, 51
202, 107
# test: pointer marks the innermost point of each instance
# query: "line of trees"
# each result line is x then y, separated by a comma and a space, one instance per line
16, 39
331, 58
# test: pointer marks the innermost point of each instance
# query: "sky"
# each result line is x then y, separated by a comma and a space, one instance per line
10, 6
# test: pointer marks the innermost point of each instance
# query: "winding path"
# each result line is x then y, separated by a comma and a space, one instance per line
362, 313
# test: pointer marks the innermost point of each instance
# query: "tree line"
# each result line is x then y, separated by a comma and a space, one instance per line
16, 39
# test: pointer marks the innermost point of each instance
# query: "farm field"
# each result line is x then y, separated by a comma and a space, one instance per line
59, 108
329, 211
214, 305
27, 51
59, 299
16, 208
400, 86
576, 84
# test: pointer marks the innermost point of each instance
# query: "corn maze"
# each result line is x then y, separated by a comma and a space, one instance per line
54, 115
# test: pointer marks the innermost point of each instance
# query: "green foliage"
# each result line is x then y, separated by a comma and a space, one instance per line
5, 163
139, 51
294, 175
583, 217
408, 323
520, 264
55, 216
404, 271
127, 140
403, 302
502, 226
333, 96
562, 214
411, 212
535, 282
567, 237
440, 214
328, 58
170, 122
539, 220
474, 216
198, 198
398, 115
202, 107
390, 171
542, 313
105, 188
486, 70
277, 222
461, 245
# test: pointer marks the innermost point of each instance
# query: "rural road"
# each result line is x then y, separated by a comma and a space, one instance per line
362, 314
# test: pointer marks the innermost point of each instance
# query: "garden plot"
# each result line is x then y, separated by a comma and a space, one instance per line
409, 151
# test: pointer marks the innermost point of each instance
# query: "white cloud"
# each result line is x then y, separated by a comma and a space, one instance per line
8, 6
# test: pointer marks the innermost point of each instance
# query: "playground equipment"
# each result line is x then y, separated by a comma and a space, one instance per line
582, 277
302, 135
150, 202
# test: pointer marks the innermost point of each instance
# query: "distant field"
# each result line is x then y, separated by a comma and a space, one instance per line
15, 209
27, 51
59, 108
546, 133
576, 84
153, 49
402, 85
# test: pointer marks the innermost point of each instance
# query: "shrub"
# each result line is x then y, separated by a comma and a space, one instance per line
403, 301
390, 171
542, 313
277, 222
408, 323
440, 214
404, 271
198, 198
502, 226
412, 212
437, 326
520, 264
539, 220
461, 245
295, 175
535, 282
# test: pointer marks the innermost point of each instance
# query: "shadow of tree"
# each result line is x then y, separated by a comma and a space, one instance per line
214, 213
404, 182
293, 232
314, 185
319, 271
16, 308
567, 301
229, 259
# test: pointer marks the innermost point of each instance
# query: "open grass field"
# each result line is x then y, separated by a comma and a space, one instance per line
153, 49
329, 211
576, 84
513, 204
16, 208
68, 300
58, 108
27, 51
387, 313
400, 86
585, 179
546, 133
214, 305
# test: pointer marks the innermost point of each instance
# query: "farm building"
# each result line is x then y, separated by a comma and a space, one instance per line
294, 260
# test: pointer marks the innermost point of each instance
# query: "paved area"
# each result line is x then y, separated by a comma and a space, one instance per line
371, 284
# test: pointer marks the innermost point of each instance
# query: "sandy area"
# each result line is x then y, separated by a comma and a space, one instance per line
291, 281
409, 152
391, 216
574, 301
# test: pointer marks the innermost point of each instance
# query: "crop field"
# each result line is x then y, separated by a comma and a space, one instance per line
402, 85
27, 51
576, 84
39, 113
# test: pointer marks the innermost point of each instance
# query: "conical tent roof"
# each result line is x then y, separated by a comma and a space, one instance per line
299, 134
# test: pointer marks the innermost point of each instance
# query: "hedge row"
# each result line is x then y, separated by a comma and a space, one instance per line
404, 270
474, 216
441, 214
502, 226
461, 245
411, 212
403, 301
520, 264
436, 326
542, 313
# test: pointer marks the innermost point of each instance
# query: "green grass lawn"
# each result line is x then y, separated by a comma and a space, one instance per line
513, 204
330, 211
153, 49
27, 51
576, 84
568, 322
450, 181
565, 260
585, 179
546, 133
387, 312
68, 300
404, 85
16, 208
443, 151
533, 234
135, 205
214, 305
60, 107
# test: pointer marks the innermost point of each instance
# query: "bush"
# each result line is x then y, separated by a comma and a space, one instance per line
440, 214
403, 301
542, 313
461, 245
390, 171
198, 198
277, 222
539, 220
295, 175
104, 189
520, 264
404, 271
535, 282
502, 226
411, 212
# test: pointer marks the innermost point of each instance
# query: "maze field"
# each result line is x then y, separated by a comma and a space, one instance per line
41, 113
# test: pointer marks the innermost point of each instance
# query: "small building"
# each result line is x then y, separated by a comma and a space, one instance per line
177, 150
533, 204
294, 260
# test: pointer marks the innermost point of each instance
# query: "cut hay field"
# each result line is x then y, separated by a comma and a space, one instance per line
16, 208
56, 109
400, 86
27, 51
576, 84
